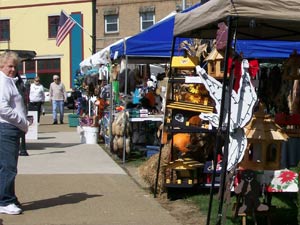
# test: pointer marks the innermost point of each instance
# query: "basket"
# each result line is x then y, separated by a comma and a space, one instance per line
73, 120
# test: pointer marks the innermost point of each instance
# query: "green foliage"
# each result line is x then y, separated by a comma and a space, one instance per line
284, 209
78, 81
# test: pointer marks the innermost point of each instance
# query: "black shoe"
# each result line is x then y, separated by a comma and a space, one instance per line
23, 153
17, 203
54, 122
61, 122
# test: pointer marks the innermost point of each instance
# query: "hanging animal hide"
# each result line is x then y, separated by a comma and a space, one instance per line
221, 38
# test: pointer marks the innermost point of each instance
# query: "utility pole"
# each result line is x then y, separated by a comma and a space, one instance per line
183, 4
94, 12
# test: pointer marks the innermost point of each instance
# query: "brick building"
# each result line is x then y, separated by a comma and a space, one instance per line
116, 19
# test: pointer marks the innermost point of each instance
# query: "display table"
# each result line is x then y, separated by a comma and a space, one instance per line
283, 180
154, 118
137, 136
271, 182
279, 180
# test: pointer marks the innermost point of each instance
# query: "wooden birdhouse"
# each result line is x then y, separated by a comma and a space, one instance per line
184, 62
183, 171
264, 143
292, 67
215, 64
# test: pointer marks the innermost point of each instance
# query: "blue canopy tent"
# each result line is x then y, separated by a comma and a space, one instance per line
266, 49
155, 45
151, 45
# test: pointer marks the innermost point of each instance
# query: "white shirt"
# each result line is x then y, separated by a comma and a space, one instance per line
36, 93
12, 108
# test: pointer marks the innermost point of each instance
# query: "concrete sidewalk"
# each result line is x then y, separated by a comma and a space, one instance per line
64, 182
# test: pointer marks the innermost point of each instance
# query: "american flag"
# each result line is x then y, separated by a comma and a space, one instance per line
65, 25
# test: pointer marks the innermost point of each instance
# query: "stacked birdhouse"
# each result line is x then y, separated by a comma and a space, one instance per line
265, 138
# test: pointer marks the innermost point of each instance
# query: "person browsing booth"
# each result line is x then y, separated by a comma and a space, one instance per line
58, 96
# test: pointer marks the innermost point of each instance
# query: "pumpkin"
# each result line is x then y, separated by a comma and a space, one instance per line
194, 121
181, 141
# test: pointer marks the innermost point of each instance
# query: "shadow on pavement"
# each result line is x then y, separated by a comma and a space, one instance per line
45, 153
41, 146
71, 198
44, 138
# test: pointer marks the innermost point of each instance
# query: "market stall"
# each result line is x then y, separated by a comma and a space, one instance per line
136, 56
256, 20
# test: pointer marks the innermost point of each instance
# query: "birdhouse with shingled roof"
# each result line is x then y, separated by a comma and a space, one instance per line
215, 64
264, 138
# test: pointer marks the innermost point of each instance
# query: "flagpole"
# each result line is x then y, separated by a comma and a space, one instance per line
78, 24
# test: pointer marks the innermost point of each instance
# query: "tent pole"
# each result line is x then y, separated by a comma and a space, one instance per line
125, 98
161, 132
227, 131
221, 130
111, 111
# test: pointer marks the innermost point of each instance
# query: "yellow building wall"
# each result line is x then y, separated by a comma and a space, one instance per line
29, 29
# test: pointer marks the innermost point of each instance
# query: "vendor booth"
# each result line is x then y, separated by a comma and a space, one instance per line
244, 20
135, 54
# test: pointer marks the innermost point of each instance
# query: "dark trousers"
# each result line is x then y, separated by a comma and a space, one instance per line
36, 106
9, 153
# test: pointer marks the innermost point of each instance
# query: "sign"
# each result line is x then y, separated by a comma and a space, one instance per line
32, 133
184, 62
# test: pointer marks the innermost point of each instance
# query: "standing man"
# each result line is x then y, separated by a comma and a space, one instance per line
36, 96
58, 96
24, 92
13, 122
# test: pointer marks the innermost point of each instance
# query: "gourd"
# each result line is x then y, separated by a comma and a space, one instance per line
181, 141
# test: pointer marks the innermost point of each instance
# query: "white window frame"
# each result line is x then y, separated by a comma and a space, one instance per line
106, 23
143, 21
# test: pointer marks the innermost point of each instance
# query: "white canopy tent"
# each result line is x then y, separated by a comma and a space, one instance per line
101, 57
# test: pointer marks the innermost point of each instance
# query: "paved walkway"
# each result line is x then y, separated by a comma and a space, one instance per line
64, 182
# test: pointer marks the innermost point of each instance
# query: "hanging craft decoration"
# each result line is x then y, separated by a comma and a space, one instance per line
242, 104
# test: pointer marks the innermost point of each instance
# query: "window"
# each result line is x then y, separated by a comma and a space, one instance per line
147, 19
30, 66
4, 30
52, 26
111, 20
111, 23
48, 65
